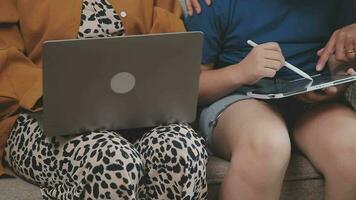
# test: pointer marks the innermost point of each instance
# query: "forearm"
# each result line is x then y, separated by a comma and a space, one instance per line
263, 61
20, 78
215, 84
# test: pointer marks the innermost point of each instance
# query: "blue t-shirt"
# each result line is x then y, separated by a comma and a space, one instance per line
301, 27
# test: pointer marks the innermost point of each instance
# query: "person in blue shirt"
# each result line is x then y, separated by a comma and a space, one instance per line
342, 45
256, 135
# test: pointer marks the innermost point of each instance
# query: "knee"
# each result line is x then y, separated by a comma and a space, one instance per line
102, 164
275, 149
178, 143
262, 158
193, 145
113, 160
340, 164
267, 148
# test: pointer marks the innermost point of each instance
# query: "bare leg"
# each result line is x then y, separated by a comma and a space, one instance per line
255, 138
327, 135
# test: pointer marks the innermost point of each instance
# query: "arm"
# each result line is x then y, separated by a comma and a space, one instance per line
167, 17
214, 84
338, 52
20, 78
342, 43
263, 61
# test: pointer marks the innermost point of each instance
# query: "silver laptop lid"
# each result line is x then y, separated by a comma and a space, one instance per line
120, 82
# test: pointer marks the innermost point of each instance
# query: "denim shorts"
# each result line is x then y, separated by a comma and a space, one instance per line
289, 108
210, 114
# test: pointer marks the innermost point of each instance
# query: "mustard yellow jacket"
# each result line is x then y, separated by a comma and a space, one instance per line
26, 24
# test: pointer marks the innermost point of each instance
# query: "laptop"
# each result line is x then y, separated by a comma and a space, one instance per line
120, 82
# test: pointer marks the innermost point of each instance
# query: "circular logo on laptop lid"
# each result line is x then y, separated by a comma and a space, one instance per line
122, 82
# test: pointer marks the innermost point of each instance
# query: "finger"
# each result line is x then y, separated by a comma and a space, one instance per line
274, 55
351, 71
327, 52
273, 64
320, 52
340, 47
314, 97
349, 43
189, 7
353, 60
303, 98
208, 2
269, 72
351, 56
331, 91
350, 49
272, 46
196, 6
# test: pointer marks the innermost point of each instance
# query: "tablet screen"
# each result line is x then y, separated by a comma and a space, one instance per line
297, 86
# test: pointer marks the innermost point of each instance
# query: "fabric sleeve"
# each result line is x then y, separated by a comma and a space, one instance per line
346, 14
167, 17
20, 78
213, 23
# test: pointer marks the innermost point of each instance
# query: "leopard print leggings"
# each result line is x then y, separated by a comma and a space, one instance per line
168, 162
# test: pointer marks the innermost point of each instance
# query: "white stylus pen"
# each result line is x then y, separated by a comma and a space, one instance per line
287, 64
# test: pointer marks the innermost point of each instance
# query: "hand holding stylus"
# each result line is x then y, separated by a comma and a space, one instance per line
263, 61
287, 64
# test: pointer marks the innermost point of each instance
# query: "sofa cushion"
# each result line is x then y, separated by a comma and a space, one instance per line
17, 189
299, 169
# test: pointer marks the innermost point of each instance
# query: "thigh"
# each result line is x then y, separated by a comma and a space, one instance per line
326, 132
69, 166
171, 144
30, 154
249, 124
175, 163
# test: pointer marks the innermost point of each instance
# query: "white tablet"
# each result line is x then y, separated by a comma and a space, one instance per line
282, 89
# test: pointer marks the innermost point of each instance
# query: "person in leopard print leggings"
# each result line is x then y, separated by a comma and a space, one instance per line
165, 162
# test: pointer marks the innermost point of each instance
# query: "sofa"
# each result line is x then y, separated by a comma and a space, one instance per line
302, 182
